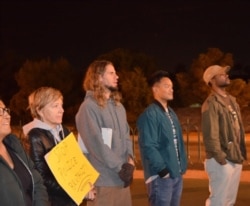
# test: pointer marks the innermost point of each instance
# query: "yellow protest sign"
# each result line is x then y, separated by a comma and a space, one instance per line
71, 168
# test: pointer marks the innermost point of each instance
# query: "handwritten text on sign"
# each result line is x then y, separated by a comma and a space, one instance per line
71, 168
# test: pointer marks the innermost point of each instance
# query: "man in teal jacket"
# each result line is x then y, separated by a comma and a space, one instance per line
161, 145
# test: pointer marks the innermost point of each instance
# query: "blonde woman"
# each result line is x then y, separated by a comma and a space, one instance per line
44, 133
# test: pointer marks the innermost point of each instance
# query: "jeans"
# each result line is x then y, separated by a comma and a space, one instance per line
223, 182
165, 191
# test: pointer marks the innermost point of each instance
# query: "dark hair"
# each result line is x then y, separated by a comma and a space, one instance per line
157, 76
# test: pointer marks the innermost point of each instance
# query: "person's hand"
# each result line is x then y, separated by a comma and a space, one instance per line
131, 161
91, 194
126, 173
166, 176
223, 162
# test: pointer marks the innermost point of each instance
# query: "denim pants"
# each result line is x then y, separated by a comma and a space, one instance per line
165, 191
223, 182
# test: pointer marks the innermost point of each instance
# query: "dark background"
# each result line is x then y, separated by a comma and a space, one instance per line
174, 33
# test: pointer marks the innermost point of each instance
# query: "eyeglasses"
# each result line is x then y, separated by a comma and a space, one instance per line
4, 111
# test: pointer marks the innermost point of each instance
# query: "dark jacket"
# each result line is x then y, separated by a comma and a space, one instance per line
218, 130
41, 142
156, 143
11, 193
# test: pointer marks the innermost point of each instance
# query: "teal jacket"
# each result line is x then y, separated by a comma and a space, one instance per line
11, 193
156, 143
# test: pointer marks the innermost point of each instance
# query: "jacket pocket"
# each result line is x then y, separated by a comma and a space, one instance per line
234, 153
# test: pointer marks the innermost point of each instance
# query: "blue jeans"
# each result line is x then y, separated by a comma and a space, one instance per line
165, 191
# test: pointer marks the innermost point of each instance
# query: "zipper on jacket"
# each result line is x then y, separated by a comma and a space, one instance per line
32, 179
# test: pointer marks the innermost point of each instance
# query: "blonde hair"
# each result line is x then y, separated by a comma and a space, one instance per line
41, 97
92, 82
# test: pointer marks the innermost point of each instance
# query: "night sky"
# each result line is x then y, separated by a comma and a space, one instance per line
172, 33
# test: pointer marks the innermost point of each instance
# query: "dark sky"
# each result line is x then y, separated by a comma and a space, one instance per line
173, 33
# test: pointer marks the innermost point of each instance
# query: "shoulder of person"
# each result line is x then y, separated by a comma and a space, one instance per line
66, 130
89, 102
37, 130
11, 137
13, 142
208, 101
211, 99
38, 133
152, 110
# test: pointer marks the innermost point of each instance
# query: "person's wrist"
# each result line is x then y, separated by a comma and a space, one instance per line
131, 160
166, 176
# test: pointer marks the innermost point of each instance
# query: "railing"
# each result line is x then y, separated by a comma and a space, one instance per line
193, 142
187, 128
133, 133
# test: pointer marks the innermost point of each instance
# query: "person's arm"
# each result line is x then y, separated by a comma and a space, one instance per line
40, 195
89, 127
129, 144
149, 144
40, 192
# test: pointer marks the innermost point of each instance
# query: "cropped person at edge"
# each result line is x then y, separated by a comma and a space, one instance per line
223, 137
21, 184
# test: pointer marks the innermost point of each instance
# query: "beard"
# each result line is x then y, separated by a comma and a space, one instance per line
111, 89
224, 84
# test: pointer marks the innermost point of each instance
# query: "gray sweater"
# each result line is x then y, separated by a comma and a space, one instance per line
90, 120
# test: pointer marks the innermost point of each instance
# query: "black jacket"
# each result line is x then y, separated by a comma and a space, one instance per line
11, 192
41, 142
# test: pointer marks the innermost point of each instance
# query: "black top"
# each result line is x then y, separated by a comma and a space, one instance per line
24, 176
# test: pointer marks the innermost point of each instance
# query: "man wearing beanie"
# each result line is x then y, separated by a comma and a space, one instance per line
223, 137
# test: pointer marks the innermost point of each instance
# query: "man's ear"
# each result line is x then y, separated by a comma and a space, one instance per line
211, 81
154, 89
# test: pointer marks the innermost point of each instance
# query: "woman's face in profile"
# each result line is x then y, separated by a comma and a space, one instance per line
52, 113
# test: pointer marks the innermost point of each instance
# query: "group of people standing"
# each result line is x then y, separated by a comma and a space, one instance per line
27, 180
162, 148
